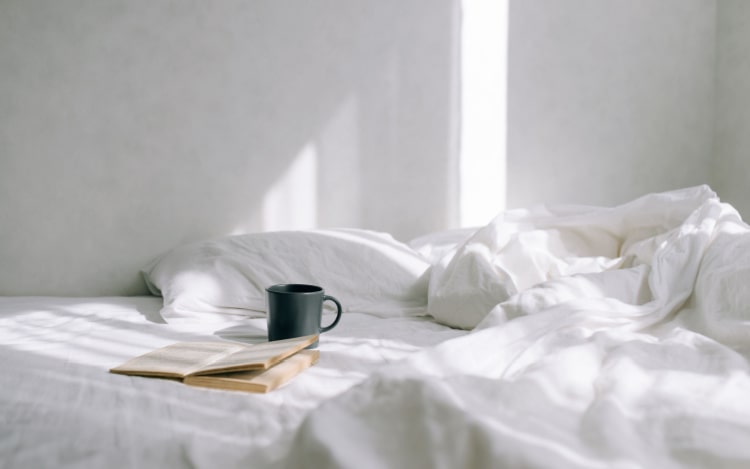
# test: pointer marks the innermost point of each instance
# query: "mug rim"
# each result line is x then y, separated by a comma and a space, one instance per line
308, 289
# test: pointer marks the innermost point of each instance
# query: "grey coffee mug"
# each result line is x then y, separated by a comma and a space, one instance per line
296, 310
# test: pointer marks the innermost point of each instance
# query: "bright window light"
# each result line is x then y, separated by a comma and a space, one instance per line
484, 45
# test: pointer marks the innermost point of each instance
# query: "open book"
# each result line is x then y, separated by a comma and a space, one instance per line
227, 365
259, 380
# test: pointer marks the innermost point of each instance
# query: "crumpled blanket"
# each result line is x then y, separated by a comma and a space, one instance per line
643, 254
603, 337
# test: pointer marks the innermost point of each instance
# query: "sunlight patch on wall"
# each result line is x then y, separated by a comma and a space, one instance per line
292, 202
484, 51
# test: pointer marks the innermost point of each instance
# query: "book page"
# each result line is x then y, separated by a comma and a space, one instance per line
259, 380
177, 360
257, 356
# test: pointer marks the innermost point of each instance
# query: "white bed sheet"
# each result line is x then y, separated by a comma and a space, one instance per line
618, 339
61, 408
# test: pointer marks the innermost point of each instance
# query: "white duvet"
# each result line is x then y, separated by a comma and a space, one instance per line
605, 338
599, 337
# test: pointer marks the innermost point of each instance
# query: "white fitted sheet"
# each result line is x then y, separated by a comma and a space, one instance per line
61, 407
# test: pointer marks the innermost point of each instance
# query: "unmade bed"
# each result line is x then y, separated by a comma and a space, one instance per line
554, 336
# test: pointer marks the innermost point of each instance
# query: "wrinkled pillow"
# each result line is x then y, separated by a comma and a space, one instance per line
521, 248
366, 271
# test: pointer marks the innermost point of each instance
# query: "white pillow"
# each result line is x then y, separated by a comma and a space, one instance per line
366, 271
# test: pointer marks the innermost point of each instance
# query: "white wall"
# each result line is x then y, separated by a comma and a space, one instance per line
608, 100
130, 126
732, 156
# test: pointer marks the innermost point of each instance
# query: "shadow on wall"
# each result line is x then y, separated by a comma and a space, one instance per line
129, 129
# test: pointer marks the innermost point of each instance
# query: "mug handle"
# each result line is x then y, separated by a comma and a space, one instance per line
338, 314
